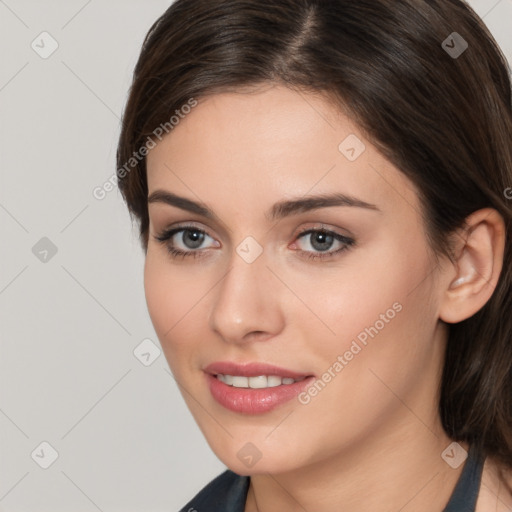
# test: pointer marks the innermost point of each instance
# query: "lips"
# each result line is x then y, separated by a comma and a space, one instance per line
252, 370
253, 400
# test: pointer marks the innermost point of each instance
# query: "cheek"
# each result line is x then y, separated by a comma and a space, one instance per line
378, 311
385, 335
341, 301
172, 297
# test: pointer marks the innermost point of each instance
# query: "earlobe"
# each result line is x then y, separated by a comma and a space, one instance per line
477, 267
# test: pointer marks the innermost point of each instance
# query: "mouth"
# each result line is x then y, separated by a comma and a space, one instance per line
253, 369
258, 382
254, 388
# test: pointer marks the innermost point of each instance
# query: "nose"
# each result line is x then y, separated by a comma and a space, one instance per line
246, 304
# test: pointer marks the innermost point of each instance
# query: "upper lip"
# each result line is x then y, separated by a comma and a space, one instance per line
251, 370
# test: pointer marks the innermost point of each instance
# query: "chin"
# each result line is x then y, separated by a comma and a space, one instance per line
246, 459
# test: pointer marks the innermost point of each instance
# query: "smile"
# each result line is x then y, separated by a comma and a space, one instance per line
259, 382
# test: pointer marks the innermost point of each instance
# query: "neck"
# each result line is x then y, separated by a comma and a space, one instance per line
395, 469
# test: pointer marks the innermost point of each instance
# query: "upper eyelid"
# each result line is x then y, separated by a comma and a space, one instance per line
302, 231
181, 227
318, 226
325, 228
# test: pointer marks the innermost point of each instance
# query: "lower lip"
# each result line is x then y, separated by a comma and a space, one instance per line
254, 401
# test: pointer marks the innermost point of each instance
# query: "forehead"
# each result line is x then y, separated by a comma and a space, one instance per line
272, 122
269, 143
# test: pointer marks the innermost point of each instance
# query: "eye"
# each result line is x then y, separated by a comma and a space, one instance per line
186, 241
183, 241
322, 240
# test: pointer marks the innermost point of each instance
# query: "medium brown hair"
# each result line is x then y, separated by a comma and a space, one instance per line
443, 120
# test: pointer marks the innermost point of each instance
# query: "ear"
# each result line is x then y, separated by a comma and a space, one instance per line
472, 278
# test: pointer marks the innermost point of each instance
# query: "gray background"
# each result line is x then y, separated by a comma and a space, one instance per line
70, 321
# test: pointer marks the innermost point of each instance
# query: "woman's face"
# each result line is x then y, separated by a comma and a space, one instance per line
351, 310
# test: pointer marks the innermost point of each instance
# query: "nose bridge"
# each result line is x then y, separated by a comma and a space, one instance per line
246, 299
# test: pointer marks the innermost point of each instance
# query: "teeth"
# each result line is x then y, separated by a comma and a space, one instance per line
273, 381
240, 382
259, 382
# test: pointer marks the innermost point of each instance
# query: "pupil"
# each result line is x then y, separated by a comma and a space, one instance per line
324, 239
196, 239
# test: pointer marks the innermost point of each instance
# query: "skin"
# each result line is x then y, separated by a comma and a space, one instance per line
372, 438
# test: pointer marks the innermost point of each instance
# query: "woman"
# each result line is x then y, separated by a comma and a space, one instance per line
323, 195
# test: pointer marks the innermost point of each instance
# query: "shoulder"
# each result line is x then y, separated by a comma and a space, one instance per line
493, 495
226, 490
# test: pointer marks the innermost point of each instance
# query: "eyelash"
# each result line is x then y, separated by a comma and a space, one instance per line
166, 235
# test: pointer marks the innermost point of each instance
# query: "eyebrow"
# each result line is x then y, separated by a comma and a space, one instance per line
278, 211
